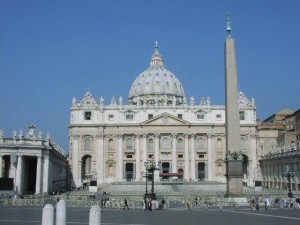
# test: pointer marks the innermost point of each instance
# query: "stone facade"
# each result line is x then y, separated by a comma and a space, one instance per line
36, 165
112, 142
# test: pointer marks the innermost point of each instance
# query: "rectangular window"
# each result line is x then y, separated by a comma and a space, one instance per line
110, 117
179, 116
129, 156
218, 116
200, 117
150, 116
180, 156
87, 115
129, 117
242, 115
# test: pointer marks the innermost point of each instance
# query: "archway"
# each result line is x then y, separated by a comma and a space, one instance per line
86, 168
245, 169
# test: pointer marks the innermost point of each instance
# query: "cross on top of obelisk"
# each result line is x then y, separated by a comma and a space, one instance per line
228, 23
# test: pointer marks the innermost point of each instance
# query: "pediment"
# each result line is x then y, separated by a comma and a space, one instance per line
166, 119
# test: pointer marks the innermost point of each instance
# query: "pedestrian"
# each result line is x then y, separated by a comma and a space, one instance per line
252, 203
257, 203
126, 204
150, 204
189, 204
267, 202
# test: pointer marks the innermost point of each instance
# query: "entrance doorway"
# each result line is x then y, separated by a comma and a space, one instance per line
129, 171
201, 171
165, 169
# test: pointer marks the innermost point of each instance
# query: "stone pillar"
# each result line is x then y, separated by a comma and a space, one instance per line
19, 174
1, 158
100, 159
193, 158
156, 155
75, 161
120, 158
38, 175
46, 174
137, 158
174, 154
186, 157
210, 157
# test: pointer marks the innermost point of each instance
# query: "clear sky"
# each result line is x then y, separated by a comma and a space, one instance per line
51, 51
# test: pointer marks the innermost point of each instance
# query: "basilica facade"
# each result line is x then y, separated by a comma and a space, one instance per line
112, 142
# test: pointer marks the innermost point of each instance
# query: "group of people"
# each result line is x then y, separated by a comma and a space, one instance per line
150, 204
255, 202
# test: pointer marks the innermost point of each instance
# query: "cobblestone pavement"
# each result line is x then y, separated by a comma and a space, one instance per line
178, 216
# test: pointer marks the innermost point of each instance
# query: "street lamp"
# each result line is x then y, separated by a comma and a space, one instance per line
145, 174
289, 174
150, 167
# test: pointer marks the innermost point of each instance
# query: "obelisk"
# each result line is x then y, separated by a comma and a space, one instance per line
234, 169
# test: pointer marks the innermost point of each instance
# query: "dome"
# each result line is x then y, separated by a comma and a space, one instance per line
156, 85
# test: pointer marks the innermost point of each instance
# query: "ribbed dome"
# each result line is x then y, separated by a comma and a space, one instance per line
156, 85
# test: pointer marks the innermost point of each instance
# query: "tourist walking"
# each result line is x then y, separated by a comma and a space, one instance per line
126, 204
189, 204
267, 202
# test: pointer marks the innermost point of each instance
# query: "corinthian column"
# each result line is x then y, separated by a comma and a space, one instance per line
156, 155
120, 158
186, 157
100, 159
46, 174
210, 157
1, 166
174, 154
193, 160
137, 158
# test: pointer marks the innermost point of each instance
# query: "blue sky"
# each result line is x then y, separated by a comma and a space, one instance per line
53, 50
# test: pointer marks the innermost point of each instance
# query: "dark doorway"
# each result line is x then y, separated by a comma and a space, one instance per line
129, 171
5, 171
201, 171
181, 172
29, 172
245, 168
165, 169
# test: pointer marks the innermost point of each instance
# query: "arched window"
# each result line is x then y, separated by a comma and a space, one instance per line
150, 144
165, 143
129, 144
180, 144
219, 143
110, 144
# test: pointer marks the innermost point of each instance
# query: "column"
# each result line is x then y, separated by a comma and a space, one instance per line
38, 175
46, 174
254, 160
137, 158
1, 158
75, 161
120, 158
174, 154
144, 148
156, 155
193, 160
19, 174
100, 158
186, 157
210, 156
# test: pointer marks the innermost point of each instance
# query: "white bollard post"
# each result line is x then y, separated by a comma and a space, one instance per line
48, 215
61, 213
95, 215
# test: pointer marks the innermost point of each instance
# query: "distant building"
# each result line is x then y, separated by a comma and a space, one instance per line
279, 150
33, 164
112, 142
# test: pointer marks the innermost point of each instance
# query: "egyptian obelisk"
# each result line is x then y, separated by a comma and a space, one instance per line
234, 169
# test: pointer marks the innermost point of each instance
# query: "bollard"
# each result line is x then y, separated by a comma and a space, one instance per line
61, 212
281, 206
206, 206
95, 215
221, 206
48, 215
